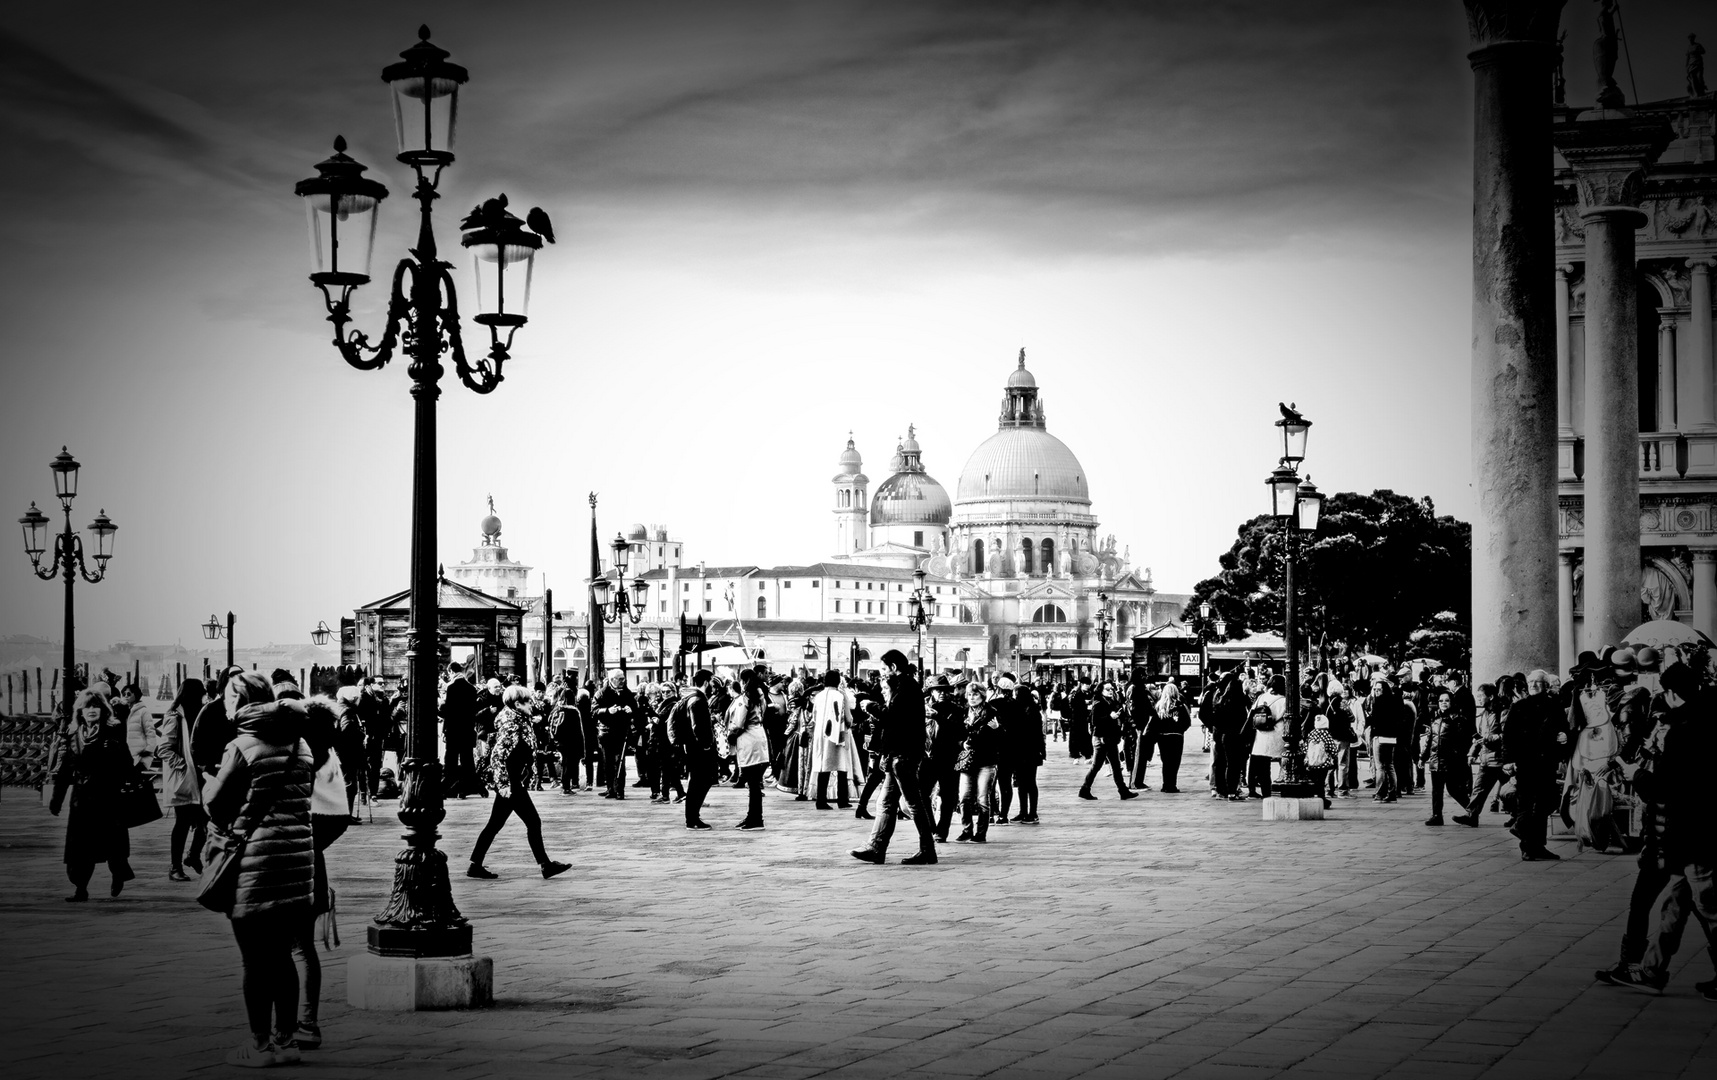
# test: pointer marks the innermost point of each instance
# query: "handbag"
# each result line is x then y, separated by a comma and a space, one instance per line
217, 885
138, 804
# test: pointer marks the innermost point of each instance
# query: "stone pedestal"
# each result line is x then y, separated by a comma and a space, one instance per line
1513, 337
1608, 151
1277, 808
408, 984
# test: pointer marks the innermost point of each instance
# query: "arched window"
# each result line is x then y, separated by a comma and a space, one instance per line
1013, 641
977, 556
762, 608
1046, 553
1049, 613
1025, 556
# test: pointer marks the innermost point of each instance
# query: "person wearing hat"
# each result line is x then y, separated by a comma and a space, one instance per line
1026, 751
1534, 745
1106, 738
947, 720
900, 740
1681, 844
615, 707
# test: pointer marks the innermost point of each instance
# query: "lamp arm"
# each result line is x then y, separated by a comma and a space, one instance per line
480, 377
75, 558
353, 345
52, 570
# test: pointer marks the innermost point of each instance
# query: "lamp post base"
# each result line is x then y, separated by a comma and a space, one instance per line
411, 984
1283, 808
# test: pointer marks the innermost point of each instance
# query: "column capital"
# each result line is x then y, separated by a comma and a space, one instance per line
1564, 271
1704, 262
1513, 22
1704, 555
1569, 556
1609, 151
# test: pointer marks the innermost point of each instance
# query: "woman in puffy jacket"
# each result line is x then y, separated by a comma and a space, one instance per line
181, 783
262, 793
511, 764
94, 765
976, 763
750, 744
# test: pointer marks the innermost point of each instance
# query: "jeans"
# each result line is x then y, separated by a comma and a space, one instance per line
1141, 759
973, 784
1383, 767
702, 778
1101, 754
1169, 749
1648, 886
753, 777
517, 802
1692, 890
188, 821
270, 981
1487, 779
901, 782
1455, 784
934, 777
1236, 750
304, 947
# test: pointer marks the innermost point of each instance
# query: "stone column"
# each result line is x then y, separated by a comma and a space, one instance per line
1570, 648
1514, 337
1666, 403
1696, 404
1608, 151
1705, 590
1564, 366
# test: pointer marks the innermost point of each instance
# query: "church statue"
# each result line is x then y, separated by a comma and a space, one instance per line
1695, 67
1559, 81
1604, 51
1657, 593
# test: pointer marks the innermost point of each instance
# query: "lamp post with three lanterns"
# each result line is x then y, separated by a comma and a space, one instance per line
67, 560
1102, 618
1296, 505
919, 613
420, 920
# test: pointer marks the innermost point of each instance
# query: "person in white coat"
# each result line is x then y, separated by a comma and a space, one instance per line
180, 783
831, 737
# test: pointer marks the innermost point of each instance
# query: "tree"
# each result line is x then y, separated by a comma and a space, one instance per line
1379, 567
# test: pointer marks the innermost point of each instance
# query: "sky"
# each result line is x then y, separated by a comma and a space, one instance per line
777, 222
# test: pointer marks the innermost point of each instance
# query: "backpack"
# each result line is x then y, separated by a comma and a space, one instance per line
680, 724
1262, 718
1317, 754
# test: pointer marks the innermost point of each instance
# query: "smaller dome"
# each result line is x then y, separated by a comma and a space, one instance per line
910, 446
850, 461
638, 532
1020, 376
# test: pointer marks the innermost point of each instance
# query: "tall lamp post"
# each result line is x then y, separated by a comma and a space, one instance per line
214, 630
1203, 644
67, 561
420, 920
1102, 618
610, 602
919, 614
1296, 505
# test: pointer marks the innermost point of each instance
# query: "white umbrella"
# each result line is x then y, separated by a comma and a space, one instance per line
1661, 632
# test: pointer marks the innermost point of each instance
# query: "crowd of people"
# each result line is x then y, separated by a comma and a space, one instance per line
1617, 750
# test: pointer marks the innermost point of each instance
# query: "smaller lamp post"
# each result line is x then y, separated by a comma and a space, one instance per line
809, 652
621, 606
1297, 506
919, 614
213, 630
322, 633
1102, 617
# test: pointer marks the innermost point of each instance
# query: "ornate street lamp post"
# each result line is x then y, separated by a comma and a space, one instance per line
919, 614
420, 920
1102, 618
67, 561
213, 630
1296, 506
620, 606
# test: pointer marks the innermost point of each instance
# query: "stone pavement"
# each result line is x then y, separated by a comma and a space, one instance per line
1170, 936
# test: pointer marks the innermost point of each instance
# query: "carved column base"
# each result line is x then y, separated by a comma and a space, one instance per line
420, 919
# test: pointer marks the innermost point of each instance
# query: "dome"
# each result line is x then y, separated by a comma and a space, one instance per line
850, 461
1020, 376
638, 532
1023, 463
910, 498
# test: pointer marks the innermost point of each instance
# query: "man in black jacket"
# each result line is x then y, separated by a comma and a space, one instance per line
1534, 745
900, 741
459, 729
1105, 739
615, 707
702, 756
943, 746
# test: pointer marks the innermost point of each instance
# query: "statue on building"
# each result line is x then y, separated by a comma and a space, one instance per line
1604, 52
1695, 67
1657, 593
1559, 81
1064, 559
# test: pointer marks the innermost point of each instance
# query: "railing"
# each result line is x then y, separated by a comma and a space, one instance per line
1662, 456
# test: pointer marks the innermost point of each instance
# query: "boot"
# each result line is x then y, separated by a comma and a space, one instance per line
983, 826
823, 791
842, 798
870, 785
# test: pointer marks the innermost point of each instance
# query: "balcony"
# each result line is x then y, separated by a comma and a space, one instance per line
1663, 456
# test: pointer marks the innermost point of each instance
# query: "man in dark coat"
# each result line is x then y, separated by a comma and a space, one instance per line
1026, 751
1077, 711
949, 718
1233, 737
702, 756
459, 730
615, 707
1534, 745
900, 740
568, 731
1106, 739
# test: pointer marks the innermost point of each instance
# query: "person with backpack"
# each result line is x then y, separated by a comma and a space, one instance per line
1233, 736
349, 736
696, 734
831, 740
511, 762
670, 761
1344, 776
1166, 729
1321, 751
1265, 717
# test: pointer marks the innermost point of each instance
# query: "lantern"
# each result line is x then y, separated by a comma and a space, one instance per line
599, 591
103, 528
35, 525
502, 254
640, 593
1294, 429
342, 207
1311, 502
65, 469
1284, 489
425, 102
322, 633
619, 548
212, 629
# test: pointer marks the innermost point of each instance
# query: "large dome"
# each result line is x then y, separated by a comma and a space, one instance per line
1023, 463
910, 498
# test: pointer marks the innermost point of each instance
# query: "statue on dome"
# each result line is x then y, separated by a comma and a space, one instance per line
1604, 52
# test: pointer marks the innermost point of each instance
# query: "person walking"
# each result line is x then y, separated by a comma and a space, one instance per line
262, 793
180, 782
94, 767
1534, 745
1106, 738
1484, 757
702, 756
1444, 756
512, 758
900, 738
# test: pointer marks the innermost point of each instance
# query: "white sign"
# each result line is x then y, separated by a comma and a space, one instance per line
1189, 658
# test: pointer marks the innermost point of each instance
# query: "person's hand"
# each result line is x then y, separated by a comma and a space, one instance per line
994, 724
1561, 738
1508, 769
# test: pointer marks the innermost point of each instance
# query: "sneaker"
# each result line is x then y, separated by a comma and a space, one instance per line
1638, 980
965, 837
749, 826
1129, 794
1541, 855
699, 826
1434, 819
483, 873
923, 858
1608, 975
1001, 821
1465, 819
1171, 791
285, 1049
177, 874
870, 855
253, 1055
554, 869
1087, 795
309, 1035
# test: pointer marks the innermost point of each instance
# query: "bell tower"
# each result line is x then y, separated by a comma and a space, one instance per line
852, 502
